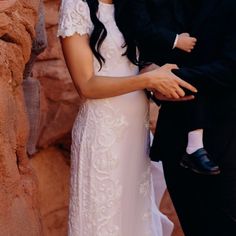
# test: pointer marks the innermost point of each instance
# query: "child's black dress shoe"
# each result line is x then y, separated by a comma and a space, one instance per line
200, 163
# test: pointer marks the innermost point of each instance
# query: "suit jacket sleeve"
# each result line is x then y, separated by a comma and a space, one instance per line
220, 74
143, 28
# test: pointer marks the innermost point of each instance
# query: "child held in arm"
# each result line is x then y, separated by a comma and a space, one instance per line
196, 157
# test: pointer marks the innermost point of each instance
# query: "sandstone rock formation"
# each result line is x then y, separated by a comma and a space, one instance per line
52, 169
59, 104
31, 85
59, 100
19, 213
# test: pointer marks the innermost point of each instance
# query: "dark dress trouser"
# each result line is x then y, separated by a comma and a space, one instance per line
206, 205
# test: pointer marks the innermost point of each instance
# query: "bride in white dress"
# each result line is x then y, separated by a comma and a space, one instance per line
111, 183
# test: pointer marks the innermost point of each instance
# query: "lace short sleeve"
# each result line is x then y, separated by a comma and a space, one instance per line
74, 17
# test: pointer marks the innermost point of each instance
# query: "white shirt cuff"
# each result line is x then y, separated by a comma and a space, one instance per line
176, 41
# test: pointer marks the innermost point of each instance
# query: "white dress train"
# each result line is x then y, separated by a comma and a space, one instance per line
111, 181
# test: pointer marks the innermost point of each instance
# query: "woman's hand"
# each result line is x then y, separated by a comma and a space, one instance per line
167, 83
149, 68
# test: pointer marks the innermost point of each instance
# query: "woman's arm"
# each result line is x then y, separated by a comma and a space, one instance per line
79, 59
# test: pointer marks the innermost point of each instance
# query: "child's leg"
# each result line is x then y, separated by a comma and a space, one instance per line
196, 157
195, 141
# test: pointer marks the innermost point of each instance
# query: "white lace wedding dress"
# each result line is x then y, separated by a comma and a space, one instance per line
111, 183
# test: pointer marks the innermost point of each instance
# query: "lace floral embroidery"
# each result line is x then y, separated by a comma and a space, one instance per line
100, 192
145, 190
74, 18
145, 186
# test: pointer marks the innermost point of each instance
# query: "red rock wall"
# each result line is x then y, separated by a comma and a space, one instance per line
59, 106
19, 214
60, 101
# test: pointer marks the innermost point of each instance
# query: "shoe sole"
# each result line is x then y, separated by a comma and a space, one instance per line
197, 171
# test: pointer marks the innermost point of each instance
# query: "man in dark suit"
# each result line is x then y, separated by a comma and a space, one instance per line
206, 205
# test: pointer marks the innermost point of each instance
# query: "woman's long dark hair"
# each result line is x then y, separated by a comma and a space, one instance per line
100, 33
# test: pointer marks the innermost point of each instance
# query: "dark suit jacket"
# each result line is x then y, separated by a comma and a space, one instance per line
211, 67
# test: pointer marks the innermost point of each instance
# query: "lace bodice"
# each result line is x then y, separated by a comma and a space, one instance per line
75, 18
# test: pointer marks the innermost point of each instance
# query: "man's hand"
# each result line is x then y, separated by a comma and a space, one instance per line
161, 97
185, 42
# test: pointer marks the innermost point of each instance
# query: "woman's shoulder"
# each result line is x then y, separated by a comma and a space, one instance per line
74, 17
